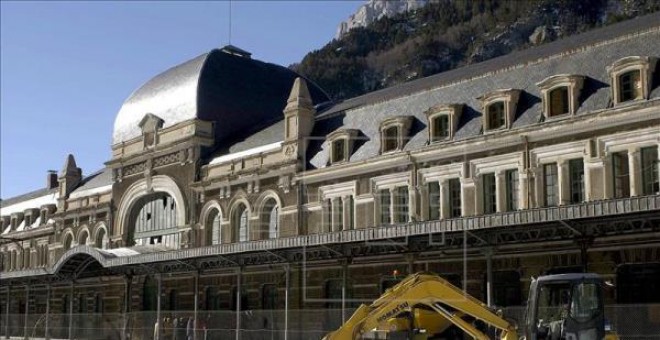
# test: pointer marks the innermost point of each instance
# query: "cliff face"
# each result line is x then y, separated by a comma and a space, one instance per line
440, 35
376, 9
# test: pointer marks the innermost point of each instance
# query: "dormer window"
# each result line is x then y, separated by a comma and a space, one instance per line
341, 145
394, 132
630, 86
558, 101
150, 125
631, 78
443, 121
391, 139
496, 116
339, 150
5, 221
440, 127
499, 108
560, 94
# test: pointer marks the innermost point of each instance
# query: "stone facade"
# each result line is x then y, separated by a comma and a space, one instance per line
317, 198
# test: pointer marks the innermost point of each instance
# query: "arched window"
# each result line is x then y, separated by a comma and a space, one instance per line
82, 238
100, 239
213, 233
271, 218
68, 240
241, 222
154, 218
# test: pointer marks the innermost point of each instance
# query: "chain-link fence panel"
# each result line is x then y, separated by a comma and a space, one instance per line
629, 321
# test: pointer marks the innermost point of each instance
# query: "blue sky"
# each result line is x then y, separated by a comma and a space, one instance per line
66, 67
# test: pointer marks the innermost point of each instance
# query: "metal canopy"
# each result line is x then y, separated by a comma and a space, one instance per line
631, 221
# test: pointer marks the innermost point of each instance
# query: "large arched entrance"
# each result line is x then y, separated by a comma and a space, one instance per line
153, 221
150, 213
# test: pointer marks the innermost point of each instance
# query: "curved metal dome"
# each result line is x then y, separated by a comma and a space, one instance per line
233, 90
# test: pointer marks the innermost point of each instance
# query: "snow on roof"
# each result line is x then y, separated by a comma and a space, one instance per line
92, 191
246, 153
36, 202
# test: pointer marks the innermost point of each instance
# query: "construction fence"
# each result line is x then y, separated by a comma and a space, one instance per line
629, 321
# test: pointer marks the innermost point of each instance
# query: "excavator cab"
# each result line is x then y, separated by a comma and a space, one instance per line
566, 306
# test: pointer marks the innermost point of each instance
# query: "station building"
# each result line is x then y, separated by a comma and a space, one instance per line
239, 193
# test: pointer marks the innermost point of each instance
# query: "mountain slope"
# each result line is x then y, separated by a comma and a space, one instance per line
447, 34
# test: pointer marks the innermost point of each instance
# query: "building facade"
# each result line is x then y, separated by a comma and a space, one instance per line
239, 194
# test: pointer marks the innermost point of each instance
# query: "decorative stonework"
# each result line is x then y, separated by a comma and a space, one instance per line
451, 111
510, 99
644, 64
573, 84
347, 139
402, 125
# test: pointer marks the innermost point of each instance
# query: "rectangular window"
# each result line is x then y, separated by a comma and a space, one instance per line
401, 206
496, 115
490, 193
384, 206
559, 101
440, 127
454, 186
339, 214
338, 150
351, 213
391, 139
434, 200
327, 215
511, 177
650, 182
620, 174
576, 180
550, 185
631, 86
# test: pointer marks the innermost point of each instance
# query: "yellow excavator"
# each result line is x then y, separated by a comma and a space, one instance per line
424, 306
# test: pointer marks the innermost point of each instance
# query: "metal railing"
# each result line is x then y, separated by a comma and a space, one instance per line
640, 321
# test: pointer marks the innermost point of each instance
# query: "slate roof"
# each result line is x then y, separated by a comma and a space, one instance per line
565, 45
587, 54
233, 91
27, 196
97, 179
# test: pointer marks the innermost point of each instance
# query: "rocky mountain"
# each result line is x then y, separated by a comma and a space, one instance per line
445, 34
376, 9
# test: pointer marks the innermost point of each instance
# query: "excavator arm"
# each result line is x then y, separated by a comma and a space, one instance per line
435, 294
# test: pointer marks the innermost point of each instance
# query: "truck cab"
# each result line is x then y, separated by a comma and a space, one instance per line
565, 306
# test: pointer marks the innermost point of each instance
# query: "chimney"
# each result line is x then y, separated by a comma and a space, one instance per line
51, 179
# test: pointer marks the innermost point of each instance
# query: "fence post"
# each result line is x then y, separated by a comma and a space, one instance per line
344, 269
489, 277
127, 304
26, 328
7, 311
196, 300
47, 322
287, 276
71, 310
158, 298
238, 303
